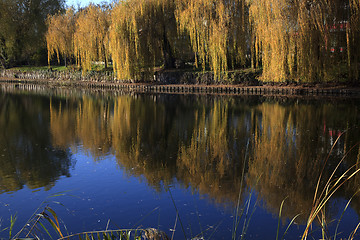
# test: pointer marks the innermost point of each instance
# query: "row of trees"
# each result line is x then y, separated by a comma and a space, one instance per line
301, 40
22, 29
138, 36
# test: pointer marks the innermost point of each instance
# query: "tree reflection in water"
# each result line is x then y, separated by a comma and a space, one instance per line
201, 142
27, 154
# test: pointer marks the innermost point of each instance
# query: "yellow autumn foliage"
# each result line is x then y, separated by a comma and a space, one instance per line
59, 36
140, 36
91, 37
290, 40
217, 30
304, 40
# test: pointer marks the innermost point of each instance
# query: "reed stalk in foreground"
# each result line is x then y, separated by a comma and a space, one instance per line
322, 196
279, 218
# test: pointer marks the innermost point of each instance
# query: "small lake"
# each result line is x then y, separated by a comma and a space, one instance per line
115, 160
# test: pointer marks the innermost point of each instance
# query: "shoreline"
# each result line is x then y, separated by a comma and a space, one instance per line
231, 89
240, 82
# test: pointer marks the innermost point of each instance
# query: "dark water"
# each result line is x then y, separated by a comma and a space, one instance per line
135, 159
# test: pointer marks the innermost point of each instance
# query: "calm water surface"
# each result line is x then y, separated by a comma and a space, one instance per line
135, 159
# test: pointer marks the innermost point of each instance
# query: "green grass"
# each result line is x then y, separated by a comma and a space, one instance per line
39, 68
95, 67
101, 67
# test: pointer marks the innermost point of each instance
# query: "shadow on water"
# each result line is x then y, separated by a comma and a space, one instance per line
27, 154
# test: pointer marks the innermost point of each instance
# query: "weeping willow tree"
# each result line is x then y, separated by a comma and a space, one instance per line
305, 40
315, 39
59, 36
141, 37
217, 31
328, 39
299, 40
272, 32
91, 38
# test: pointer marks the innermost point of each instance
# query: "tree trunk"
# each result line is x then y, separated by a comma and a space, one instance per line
105, 59
3, 58
169, 60
104, 55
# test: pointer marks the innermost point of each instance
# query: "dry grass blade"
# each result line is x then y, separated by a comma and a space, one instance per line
332, 185
342, 214
239, 211
324, 199
55, 224
322, 171
279, 218
32, 223
351, 237
173, 232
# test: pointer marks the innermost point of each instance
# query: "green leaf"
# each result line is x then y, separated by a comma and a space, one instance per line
12, 223
45, 229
